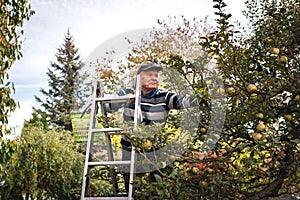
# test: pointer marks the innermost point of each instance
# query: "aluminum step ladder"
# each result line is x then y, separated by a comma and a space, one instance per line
98, 103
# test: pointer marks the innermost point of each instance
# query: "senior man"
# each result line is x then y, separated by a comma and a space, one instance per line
155, 105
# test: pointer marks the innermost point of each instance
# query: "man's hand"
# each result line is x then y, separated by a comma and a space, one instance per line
131, 101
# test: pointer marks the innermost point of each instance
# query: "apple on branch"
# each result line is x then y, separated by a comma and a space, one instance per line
275, 51
259, 115
257, 136
251, 88
147, 145
287, 117
282, 59
260, 127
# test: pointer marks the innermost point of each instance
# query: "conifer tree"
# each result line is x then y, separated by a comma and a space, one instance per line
66, 86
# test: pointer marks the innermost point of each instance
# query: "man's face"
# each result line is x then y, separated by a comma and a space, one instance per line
149, 79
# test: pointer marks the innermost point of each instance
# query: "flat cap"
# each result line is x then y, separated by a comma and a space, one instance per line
148, 66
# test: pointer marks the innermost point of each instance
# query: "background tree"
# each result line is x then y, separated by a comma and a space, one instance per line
37, 118
45, 165
66, 88
12, 14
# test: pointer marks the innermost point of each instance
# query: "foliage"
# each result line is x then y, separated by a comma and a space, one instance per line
46, 165
7, 149
12, 14
270, 109
67, 88
37, 119
257, 154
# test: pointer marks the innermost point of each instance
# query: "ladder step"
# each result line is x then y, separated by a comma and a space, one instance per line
115, 99
115, 162
105, 198
107, 130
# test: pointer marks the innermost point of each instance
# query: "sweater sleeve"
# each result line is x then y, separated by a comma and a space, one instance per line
175, 101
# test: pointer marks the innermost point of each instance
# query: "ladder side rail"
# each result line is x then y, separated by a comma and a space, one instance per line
90, 141
137, 112
136, 123
109, 147
111, 158
108, 143
107, 136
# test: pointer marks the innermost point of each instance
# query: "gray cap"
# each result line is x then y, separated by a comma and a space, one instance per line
148, 66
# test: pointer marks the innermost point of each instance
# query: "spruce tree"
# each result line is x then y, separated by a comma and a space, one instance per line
66, 86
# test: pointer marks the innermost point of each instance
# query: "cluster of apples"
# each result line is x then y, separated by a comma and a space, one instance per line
199, 167
281, 59
260, 127
252, 89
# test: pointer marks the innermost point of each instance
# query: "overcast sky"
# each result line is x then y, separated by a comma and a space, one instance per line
91, 22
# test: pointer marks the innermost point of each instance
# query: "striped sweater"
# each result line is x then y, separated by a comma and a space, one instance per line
155, 105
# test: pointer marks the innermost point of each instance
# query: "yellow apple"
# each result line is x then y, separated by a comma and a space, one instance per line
230, 90
282, 59
251, 88
261, 127
147, 145
275, 51
259, 115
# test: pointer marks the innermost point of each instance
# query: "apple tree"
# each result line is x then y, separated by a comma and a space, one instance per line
260, 69
257, 153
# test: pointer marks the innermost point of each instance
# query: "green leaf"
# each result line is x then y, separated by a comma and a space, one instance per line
297, 141
158, 179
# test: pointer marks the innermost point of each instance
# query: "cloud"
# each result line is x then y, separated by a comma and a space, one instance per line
91, 22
